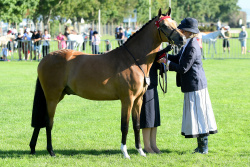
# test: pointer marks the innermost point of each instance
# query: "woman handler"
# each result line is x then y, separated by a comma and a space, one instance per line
198, 118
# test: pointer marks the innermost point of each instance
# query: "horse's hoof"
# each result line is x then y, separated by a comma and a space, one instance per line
141, 152
124, 151
32, 151
51, 153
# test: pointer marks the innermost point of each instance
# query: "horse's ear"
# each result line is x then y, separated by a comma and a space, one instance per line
159, 13
169, 12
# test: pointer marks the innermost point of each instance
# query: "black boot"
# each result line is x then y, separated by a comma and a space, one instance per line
202, 145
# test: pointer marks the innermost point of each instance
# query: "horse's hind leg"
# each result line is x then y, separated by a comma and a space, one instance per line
51, 111
51, 105
34, 140
136, 124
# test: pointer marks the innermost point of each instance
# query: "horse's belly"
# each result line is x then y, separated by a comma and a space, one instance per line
97, 95
95, 91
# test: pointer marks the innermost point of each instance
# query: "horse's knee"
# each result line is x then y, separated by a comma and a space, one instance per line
124, 128
136, 127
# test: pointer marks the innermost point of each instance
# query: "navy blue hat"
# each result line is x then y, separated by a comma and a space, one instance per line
189, 24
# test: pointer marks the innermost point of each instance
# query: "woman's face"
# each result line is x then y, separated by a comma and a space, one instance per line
186, 33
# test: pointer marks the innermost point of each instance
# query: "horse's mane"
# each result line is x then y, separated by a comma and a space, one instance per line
137, 32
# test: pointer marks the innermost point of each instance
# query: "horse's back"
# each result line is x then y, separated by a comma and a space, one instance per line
89, 76
53, 70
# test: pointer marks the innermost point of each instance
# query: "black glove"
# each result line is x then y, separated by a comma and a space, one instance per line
168, 48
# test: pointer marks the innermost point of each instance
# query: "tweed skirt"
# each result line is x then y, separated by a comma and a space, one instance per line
150, 111
198, 117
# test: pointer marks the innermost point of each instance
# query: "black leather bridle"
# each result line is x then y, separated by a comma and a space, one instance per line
157, 23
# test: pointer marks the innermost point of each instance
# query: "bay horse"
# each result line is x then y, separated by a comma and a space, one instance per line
116, 75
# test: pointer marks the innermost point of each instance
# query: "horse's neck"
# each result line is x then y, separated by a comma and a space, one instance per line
213, 35
145, 45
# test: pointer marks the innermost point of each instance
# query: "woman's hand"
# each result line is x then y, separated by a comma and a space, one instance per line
168, 48
162, 60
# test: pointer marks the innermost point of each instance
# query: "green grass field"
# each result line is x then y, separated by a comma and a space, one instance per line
87, 133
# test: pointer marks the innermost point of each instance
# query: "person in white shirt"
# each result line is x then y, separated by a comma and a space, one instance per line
95, 43
46, 38
27, 47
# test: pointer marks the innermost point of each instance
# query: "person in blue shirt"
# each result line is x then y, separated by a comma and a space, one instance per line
90, 36
243, 39
127, 33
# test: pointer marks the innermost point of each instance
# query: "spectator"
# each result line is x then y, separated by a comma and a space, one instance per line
90, 36
27, 47
66, 34
14, 31
10, 45
19, 45
108, 45
61, 41
226, 39
199, 39
120, 37
127, 33
85, 40
46, 38
5, 53
116, 32
242, 37
95, 43
24, 30
36, 37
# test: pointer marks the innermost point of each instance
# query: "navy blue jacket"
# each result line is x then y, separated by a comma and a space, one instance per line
190, 73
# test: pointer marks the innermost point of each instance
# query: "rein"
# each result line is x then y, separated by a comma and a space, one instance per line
163, 75
146, 79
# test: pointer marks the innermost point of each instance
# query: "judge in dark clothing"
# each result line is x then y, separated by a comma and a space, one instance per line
150, 111
198, 118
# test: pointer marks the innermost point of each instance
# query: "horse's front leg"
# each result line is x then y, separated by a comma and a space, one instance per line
125, 115
214, 48
136, 111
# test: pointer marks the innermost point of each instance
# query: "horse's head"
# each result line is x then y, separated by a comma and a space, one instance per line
168, 27
222, 32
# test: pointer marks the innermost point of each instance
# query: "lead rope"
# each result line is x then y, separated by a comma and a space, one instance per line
163, 71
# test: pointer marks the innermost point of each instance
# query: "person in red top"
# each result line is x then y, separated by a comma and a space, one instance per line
61, 41
199, 39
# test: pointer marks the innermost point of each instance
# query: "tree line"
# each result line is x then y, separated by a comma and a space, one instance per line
114, 11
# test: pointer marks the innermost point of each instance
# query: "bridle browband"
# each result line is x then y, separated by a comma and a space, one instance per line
157, 23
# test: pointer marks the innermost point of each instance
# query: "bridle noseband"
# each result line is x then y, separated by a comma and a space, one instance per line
157, 23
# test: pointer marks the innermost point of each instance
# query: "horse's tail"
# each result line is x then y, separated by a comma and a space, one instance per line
40, 117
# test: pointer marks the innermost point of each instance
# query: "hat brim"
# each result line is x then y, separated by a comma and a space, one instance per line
193, 30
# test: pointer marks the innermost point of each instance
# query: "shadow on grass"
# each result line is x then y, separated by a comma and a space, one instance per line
174, 151
20, 153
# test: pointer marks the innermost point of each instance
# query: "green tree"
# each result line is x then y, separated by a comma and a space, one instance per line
16, 10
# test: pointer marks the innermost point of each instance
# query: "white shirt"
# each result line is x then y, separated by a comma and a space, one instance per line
96, 40
46, 37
